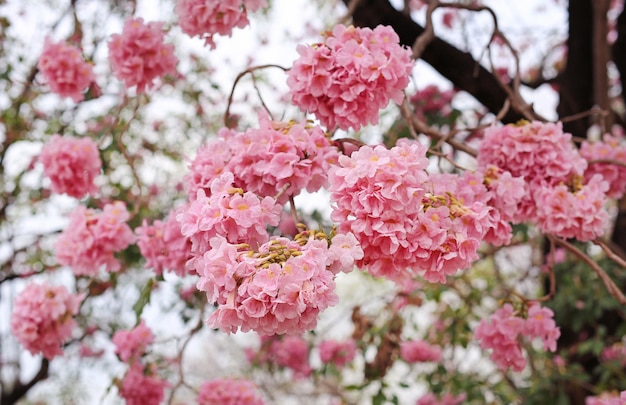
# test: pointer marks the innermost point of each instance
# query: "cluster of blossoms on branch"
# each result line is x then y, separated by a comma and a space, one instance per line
346, 80
287, 351
42, 318
228, 391
607, 158
502, 334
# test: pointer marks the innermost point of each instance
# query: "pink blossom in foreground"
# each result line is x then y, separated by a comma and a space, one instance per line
413, 351
445, 399
502, 334
65, 70
610, 148
607, 399
130, 345
163, 245
229, 391
346, 80
139, 56
141, 386
337, 353
205, 18
279, 288
91, 239
277, 159
42, 319
576, 214
539, 152
72, 164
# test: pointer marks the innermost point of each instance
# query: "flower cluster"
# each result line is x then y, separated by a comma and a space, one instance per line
611, 148
65, 70
616, 352
433, 102
91, 239
205, 18
348, 78
72, 164
141, 386
229, 391
405, 221
277, 159
337, 353
139, 56
229, 212
279, 288
506, 326
288, 351
163, 245
413, 351
445, 399
42, 318
607, 399
539, 152
130, 345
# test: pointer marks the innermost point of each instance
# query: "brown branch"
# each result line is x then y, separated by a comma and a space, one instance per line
19, 390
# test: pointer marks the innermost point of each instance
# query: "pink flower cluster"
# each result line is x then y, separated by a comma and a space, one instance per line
445, 399
65, 70
141, 386
503, 332
414, 351
337, 353
229, 391
431, 101
616, 352
576, 214
91, 239
277, 157
42, 318
288, 351
607, 399
229, 212
405, 221
348, 78
558, 201
610, 148
130, 345
164, 246
72, 164
279, 288
139, 56
205, 18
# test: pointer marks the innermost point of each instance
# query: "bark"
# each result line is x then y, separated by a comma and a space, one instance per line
19, 390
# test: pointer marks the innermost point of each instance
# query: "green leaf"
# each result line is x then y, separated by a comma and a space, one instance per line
144, 299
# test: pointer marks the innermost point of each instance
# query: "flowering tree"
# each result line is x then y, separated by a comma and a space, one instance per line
384, 241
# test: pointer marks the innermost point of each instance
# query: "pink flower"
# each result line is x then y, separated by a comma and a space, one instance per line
348, 78
607, 398
445, 399
42, 318
610, 148
92, 238
431, 101
72, 164
413, 351
139, 56
130, 345
205, 18
288, 351
337, 353
63, 67
164, 246
141, 386
229, 392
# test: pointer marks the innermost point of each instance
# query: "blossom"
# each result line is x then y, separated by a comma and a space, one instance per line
337, 353
42, 318
72, 164
141, 386
65, 70
229, 391
131, 344
163, 245
501, 334
91, 239
139, 56
279, 159
433, 102
445, 399
348, 78
288, 351
610, 148
205, 18
413, 351
607, 399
